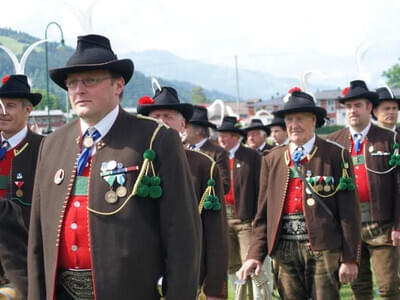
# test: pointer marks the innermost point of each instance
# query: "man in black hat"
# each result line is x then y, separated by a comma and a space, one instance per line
278, 131
375, 155
387, 109
197, 137
241, 200
18, 155
256, 136
307, 220
167, 107
113, 205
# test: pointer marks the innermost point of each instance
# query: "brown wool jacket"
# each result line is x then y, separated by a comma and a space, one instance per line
221, 157
15, 213
131, 249
214, 265
323, 232
246, 177
384, 188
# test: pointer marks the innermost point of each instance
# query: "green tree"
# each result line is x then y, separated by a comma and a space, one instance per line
54, 101
197, 96
393, 75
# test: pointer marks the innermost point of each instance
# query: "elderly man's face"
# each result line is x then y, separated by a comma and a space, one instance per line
255, 138
16, 117
172, 118
300, 127
386, 113
228, 140
93, 94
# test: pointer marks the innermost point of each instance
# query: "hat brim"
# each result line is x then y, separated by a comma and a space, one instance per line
283, 125
185, 109
124, 67
258, 127
204, 124
319, 112
34, 98
371, 96
235, 130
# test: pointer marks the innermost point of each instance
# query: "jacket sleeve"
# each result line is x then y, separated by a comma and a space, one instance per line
259, 244
36, 276
349, 218
222, 161
216, 245
13, 246
179, 219
396, 193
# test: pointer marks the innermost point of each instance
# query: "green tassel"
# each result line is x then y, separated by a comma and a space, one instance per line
143, 190
351, 187
155, 191
216, 205
395, 146
149, 154
155, 180
210, 198
208, 205
145, 180
211, 182
392, 161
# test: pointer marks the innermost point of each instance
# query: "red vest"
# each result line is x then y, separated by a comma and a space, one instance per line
74, 241
5, 168
360, 172
294, 194
230, 196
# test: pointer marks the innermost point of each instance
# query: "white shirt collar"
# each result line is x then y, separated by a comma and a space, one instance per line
364, 132
200, 144
16, 138
104, 125
307, 146
262, 146
233, 150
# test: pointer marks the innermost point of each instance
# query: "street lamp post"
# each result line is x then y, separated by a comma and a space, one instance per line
48, 130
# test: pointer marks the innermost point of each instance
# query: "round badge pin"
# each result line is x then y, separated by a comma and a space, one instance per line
327, 188
88, 141
121, 191
59, 176
371, 149
19, 193
310, 202
111, 165
111, 197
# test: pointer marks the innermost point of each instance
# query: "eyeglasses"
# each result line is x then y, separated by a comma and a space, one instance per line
87, 82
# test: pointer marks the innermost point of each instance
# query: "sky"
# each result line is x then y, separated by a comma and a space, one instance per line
285, 38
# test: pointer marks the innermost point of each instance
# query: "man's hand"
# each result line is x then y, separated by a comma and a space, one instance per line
248, 267
396, 237
348, 272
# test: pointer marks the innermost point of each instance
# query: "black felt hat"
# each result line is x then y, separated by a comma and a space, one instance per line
299, 101
358, 90
385, 94
93, 52
231, 124
277, 122
17, 86
166, 98
257, 124
200, 117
